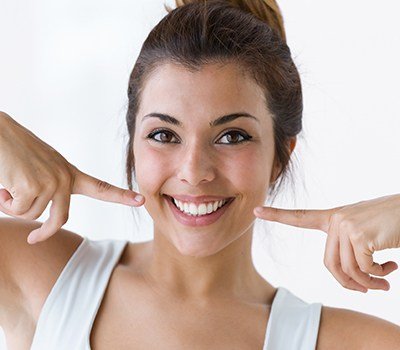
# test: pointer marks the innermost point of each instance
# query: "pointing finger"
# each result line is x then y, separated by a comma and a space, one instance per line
90, 186
312, 219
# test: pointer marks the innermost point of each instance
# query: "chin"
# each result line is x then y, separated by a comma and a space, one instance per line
197, 245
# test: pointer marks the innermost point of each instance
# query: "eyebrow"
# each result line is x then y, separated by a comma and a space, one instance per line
219, 121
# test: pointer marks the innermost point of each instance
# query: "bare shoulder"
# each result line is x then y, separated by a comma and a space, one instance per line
28, 272
348, 329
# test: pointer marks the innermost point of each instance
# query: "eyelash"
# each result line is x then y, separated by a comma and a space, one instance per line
246, 137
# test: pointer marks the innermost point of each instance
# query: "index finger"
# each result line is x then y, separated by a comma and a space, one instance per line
92, 187
311, 219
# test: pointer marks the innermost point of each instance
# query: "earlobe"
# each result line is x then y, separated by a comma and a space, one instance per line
274, 173
276, 169
292, 144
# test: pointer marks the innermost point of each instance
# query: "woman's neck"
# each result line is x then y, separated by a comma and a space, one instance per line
227, 273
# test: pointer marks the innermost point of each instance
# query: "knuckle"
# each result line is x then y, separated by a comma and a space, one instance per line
338, 217
18, 211
58, 222
63, 218
347, 283
51, 182
335, 266
52, 188
275, 212
299, 212
357, 237
36, 216
73, 171
26, 189
348, 269
370, 280
48, 179
14, 191
64, 174
378, 268
346, 225
103, 186
363, 269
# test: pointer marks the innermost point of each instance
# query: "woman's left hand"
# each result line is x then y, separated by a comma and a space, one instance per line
355, 232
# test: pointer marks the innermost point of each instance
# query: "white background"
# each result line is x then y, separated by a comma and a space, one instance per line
64, 68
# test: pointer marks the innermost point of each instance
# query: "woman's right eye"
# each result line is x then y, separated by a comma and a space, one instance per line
162, 139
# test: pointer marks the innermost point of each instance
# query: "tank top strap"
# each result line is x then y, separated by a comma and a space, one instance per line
68, 313
293, 324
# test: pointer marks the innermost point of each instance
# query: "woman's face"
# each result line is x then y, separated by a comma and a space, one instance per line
197, 159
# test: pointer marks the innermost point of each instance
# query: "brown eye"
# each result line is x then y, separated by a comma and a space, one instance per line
165, 136
235, 139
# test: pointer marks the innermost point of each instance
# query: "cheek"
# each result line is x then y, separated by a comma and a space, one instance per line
247, 170
250, 174
151, 168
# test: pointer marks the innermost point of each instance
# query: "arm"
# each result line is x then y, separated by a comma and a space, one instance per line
28, 272
34, 174
347, 329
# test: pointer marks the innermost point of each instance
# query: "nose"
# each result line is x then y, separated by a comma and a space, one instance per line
196, 165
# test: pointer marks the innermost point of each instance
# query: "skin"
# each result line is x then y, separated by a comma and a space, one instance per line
208, 263
354, 233
214, 260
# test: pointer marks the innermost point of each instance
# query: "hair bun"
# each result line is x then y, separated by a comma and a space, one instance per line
266, 10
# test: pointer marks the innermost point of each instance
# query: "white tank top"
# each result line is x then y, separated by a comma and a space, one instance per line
67, 316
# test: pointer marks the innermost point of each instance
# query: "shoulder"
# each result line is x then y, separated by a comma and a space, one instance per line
30, 271
342, 328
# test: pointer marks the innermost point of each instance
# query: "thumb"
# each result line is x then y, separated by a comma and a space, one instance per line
92, 187
312, 219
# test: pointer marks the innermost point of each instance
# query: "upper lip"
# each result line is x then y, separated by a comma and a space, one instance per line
197, 199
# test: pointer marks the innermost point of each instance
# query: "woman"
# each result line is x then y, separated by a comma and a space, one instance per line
215, 106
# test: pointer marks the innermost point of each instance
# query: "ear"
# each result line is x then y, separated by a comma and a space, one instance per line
276, 169
292, 144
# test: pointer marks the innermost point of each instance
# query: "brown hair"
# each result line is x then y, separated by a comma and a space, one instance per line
248, 33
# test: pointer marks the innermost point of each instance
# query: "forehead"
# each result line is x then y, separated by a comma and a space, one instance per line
211, 89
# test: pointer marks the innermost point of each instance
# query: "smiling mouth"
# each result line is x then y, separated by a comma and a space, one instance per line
228, 201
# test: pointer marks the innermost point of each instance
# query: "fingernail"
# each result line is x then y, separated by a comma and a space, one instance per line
32, 239
258, 210
139, 198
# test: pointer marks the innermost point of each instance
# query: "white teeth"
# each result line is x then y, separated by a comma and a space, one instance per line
202, 209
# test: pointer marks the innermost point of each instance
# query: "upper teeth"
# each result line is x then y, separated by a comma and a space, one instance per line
201, 209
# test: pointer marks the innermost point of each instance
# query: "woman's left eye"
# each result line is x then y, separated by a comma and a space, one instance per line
232, 140
245, 137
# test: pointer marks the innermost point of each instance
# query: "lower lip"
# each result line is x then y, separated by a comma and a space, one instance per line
202, 220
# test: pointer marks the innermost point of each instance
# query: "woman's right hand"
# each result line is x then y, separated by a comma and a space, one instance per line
33, 174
